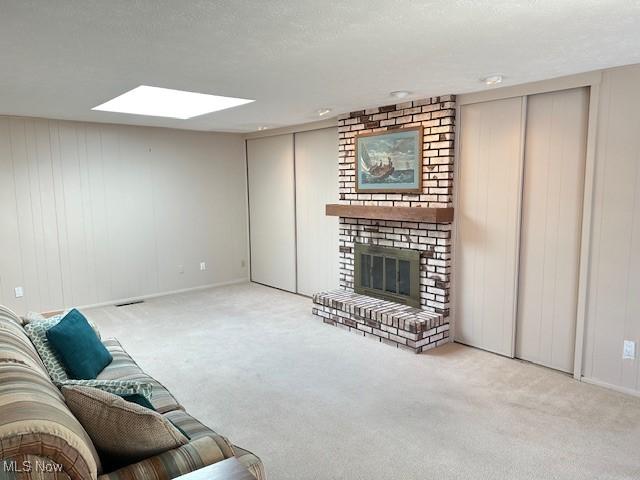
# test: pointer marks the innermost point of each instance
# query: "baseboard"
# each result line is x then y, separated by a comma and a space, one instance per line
598, 383
164, 294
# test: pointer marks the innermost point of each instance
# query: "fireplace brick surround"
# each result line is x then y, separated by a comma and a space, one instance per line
437, 117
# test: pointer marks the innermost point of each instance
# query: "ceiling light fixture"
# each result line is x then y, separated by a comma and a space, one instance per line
400, 94
262, 128
492, 79
166, 102
323, 111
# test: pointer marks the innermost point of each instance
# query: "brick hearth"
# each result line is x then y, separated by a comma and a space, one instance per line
397, 325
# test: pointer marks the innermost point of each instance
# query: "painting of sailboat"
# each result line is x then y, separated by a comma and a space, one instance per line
389, 161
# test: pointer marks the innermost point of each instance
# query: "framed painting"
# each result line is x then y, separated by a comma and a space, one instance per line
389, 162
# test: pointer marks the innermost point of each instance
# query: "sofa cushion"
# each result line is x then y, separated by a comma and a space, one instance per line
78, 347
124, 368
195, 430
171, 464
121, 429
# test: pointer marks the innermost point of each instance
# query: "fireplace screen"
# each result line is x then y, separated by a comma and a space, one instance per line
388, 273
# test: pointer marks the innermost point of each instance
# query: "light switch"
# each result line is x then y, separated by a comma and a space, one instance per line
203, 266
19, 292
629, 349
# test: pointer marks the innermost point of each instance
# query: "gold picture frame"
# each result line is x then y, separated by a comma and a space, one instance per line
389, 161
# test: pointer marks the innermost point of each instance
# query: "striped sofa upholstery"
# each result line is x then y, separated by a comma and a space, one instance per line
35, 422
123, 367
196, 430
192, 456
37, 427
23, 467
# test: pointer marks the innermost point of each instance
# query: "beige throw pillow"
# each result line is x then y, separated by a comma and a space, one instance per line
121, 429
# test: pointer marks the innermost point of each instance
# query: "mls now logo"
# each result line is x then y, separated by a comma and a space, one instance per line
28, 466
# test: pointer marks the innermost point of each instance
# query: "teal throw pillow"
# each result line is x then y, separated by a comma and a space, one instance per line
78, 347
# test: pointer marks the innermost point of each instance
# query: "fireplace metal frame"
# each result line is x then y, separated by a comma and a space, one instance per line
412, 256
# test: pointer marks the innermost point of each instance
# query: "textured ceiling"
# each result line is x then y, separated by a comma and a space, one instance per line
60, 58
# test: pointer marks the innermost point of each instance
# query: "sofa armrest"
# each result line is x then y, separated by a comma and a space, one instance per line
171, 464
31, 467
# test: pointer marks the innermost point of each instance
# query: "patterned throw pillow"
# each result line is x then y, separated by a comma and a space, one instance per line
122, 430
117, 387
30, 317
37, 332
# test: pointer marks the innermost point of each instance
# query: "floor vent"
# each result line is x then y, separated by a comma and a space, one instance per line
135, 302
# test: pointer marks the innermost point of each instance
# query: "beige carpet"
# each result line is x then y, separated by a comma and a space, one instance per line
315, 402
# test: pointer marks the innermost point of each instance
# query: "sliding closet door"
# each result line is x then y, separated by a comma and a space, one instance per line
272, 211
487, 216
316, 154
555, 152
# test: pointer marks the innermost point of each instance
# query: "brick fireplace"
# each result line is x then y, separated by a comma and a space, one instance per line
428, 325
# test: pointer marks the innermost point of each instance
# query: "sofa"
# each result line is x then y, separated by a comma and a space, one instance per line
41, 439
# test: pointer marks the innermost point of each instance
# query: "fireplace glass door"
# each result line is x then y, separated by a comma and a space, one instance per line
388, 273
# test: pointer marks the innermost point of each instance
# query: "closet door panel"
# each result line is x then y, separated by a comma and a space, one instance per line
555, 153
316, 154
272, 211
487, 216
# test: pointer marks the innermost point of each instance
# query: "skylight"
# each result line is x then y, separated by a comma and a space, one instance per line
166, 102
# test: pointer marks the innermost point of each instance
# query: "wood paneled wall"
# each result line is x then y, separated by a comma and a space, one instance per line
613, 308
91, 213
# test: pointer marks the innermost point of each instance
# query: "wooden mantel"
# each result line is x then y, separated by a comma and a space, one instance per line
401, 214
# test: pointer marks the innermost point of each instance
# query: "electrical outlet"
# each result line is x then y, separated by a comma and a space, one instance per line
180, 268
629, 349
203, 266
19, 292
